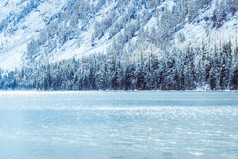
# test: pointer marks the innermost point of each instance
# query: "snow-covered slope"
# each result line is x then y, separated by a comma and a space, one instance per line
202, 27
14, 37
62, 29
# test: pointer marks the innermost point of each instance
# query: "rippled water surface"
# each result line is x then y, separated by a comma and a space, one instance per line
117, 125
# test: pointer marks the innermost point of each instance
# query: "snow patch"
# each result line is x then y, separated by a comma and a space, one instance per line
13, 46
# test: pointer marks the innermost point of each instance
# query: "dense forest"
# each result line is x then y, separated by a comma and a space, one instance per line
142, 55
147, 68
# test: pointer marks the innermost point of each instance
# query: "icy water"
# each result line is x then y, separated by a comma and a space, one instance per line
118, 125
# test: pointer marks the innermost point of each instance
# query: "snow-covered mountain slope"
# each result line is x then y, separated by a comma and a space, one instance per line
23, 22
204, 26
53, 30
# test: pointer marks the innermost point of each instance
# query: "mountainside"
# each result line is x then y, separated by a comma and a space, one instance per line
115, 34
20, 22
63, 29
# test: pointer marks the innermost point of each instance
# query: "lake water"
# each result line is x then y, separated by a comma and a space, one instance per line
117, 125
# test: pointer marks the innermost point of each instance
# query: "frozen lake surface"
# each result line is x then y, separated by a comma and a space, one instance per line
117, 125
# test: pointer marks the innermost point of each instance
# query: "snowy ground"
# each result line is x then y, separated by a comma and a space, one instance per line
12, 46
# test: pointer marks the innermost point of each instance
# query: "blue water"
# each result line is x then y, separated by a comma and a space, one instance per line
117, 125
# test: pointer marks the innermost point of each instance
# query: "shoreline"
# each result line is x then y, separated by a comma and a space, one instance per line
111, 91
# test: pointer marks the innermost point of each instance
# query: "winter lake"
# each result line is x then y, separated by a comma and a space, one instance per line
113, 125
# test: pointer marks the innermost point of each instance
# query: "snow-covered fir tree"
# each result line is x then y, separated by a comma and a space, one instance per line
105, 44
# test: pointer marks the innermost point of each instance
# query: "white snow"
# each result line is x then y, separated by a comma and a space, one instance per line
151, 23
13, 46
28, 28
168, 5
195, 32
8, 6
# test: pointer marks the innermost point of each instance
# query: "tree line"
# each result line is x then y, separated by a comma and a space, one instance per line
146, 68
